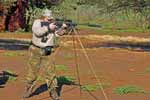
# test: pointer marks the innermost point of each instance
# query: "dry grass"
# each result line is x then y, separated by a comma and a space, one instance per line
129, 40
109, 39
120, 40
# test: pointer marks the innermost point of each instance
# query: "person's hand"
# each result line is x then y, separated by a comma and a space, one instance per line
52, 26
60, 32
63, 31
64, 26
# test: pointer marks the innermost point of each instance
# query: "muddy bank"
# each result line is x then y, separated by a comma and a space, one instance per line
116, 67
89, 41
108, 41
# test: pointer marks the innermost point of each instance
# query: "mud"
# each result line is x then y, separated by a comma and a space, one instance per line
114, 66
117, 67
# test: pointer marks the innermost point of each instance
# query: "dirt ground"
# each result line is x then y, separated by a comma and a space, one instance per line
117, 67
81, 32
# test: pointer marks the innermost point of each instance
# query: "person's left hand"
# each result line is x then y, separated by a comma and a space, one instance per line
64, 26
52, 26
60, 32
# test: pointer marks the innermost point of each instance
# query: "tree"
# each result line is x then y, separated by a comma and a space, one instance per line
16, 14
138, 7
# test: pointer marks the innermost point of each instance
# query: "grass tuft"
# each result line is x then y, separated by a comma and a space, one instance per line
13, 54
11, 75
147, 70
68, 56
92, 88
61, 68
129, 89
68, 80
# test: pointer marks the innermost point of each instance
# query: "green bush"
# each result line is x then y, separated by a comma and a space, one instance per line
129, 89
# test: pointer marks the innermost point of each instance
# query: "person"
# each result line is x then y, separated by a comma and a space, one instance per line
43, 40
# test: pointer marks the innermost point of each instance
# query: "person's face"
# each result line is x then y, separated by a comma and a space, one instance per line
46, 18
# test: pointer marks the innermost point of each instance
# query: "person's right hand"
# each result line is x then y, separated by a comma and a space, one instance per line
52, 26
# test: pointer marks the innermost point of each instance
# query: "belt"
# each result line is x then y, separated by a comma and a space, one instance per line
35, 45
38, 46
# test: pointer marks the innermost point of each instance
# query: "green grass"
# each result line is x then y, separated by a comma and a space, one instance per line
10, 54
68, 56
145, 71
40, 79
115, 30
13, 54
111, 28
68, 80
11, 78
17, 32
129, 89
61, 68
92, 88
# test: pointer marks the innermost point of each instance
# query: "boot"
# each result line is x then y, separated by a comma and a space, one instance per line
54, 94
28, 91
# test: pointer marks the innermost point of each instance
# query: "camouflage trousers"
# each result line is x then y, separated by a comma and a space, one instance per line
39, 65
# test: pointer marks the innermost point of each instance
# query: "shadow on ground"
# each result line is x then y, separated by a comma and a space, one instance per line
62, 80
11, 44
4, 77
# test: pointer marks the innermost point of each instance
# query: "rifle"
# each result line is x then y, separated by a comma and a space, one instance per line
59, 23
70, 24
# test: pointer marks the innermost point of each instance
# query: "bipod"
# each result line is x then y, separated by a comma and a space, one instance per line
75, 32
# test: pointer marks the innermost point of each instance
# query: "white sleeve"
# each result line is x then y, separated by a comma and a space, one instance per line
37, 29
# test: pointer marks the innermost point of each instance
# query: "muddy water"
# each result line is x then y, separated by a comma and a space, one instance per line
121, 46
8, 44
117, 67
96, 45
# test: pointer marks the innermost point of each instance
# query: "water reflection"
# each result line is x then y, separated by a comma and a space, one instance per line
11, 44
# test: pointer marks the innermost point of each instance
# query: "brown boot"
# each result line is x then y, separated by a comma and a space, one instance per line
54, 94
28, 91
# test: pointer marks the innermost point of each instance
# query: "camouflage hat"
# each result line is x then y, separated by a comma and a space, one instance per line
48, 13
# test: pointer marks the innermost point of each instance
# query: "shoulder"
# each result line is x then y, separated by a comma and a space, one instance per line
37, 21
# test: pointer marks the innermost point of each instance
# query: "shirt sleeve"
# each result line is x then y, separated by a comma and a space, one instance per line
37, 29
